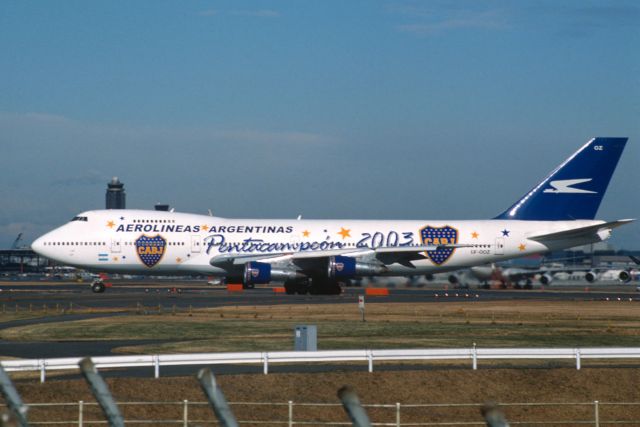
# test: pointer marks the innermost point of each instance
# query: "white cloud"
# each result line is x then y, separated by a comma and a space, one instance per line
261, 13
208, 12
69, 129
430, 21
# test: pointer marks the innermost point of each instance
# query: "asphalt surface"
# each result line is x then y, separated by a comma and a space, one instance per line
127, 295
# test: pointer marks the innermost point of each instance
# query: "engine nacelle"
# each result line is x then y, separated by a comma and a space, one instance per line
624, 276
453, 279
546, 279
256, 273
343, 267
590, 276
429, 277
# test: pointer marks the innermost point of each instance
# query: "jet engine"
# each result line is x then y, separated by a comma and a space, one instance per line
546, 279
260, 272
624, 276
453, 279
344, 267
590, 276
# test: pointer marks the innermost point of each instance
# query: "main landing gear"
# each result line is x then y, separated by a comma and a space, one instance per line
313, 286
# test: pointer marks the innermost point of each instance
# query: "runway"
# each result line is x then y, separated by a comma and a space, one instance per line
150, 295
185, 294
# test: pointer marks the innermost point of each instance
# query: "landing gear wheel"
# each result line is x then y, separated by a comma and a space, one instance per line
97, 287
296, 288
325, 287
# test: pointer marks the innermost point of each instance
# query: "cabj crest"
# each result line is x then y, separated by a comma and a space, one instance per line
150, 249
434, 236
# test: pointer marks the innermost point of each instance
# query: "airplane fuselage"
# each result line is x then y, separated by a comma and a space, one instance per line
316, 256
168, 243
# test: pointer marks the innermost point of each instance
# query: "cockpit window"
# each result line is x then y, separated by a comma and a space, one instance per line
79, 218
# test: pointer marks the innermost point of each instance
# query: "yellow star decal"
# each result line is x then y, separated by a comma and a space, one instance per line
178, 259
344, 232
115, 258
306, 233
474, 235
204, 227
522, 246
111, 224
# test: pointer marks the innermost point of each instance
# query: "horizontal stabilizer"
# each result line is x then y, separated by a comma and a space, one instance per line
579, 232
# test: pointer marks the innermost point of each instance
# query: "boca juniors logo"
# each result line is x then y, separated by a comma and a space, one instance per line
150, 249
434, 236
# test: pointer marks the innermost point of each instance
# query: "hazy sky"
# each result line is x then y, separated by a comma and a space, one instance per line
352, 109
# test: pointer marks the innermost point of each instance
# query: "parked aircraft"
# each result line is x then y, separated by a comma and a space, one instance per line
528, 278
315, 256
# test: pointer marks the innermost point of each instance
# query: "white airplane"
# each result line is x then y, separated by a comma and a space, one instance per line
316, 256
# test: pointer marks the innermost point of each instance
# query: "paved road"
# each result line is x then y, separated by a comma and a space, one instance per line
129, 295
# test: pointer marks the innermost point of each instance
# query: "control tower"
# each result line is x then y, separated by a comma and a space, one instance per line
116, 196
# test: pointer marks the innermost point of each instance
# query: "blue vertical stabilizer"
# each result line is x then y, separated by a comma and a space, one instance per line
574, 189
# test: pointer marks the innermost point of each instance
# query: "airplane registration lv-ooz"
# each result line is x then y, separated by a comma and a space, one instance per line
317, 256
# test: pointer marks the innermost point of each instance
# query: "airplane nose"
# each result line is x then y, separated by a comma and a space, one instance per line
38, 245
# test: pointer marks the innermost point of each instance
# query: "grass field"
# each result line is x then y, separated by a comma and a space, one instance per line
407, 387
269, 328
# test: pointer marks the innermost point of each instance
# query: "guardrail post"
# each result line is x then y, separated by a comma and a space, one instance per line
370, 357
290, 413
43, 370
353, 408
493, 416
185, 413
596, 413
13, 400
397, 414
156, 366
101, 393
265, 363
474, 356
80, 413
216, 398
578, 359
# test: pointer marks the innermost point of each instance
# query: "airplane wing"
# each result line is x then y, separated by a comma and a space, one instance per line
579, 232
385, 255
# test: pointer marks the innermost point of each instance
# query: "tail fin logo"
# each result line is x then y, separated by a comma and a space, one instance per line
566, 186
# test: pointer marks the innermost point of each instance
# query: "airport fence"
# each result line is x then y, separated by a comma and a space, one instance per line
370, 357
191, 413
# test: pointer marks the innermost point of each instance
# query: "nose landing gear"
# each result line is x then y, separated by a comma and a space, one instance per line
97, 286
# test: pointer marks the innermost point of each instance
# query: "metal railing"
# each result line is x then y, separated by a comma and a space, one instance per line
473, 354
189, 413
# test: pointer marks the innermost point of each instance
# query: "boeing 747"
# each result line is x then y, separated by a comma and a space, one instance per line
316, 256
